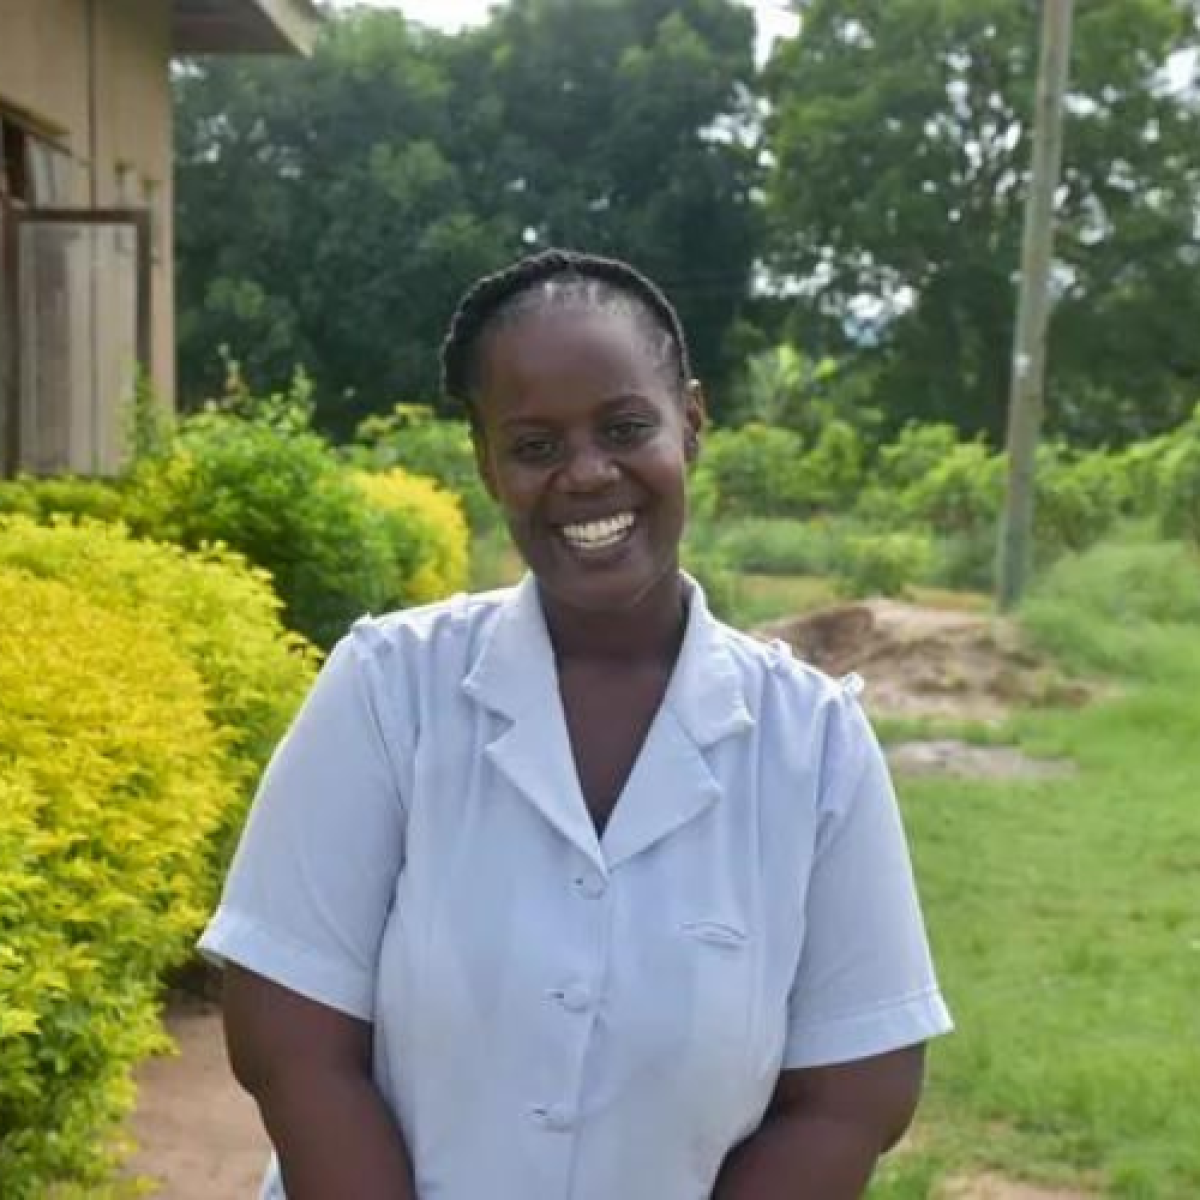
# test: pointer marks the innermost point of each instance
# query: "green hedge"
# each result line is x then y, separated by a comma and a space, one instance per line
143, 689
222, 616
111, 788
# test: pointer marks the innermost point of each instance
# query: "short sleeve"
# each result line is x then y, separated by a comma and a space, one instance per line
312, 880
865, 983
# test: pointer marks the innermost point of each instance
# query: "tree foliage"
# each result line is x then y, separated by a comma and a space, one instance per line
331, 212
323, 217
900, 138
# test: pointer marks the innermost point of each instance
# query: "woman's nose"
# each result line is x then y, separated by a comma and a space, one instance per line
589, 468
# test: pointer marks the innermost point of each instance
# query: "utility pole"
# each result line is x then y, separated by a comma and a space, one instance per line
1027, 394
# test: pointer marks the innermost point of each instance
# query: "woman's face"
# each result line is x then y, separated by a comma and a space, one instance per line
584, 443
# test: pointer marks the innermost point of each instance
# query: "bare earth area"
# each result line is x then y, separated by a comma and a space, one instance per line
959, 760
927, 662
200, 1136
198, 1132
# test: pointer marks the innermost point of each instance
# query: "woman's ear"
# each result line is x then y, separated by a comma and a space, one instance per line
694, 416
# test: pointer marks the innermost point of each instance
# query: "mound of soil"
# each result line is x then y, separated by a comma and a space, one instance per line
928, 662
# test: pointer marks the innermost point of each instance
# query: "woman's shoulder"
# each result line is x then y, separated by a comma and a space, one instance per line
804, 711
771, 663
409, 635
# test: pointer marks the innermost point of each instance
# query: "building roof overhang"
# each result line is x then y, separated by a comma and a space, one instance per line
244, 26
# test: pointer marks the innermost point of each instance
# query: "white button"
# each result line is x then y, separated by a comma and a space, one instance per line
555, 1117
592, 885
576, 997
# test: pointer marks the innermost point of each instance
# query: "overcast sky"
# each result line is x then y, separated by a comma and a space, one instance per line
774, 18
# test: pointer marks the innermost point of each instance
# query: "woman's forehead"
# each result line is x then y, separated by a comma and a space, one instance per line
601, 345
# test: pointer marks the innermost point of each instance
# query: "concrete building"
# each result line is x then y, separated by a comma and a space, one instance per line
86, 258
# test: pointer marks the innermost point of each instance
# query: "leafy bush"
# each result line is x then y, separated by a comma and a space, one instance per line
282, 498
1180, 483
780, 545
221, 615
1079, 498
411, 438
959, 494
753, 471
1142, 467
831, 473
884, 564
110, 792
758, 471
915, 452
918, 480
61, 495
427, 534
1105, 608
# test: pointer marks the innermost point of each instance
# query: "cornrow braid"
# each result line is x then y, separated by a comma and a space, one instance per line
547, 280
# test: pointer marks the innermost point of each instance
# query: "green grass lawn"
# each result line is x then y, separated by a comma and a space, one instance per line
1066, 921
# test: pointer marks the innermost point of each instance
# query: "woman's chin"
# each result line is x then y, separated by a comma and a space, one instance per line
616, 586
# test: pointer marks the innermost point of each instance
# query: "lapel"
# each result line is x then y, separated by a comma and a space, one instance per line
514, 675
671, 782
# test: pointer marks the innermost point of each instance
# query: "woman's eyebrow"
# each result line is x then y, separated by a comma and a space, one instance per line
624, 398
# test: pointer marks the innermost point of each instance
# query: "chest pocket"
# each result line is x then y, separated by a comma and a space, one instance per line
719, 958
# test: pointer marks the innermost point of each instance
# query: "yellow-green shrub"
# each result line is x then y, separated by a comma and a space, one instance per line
66, 495
220, 613
427, 531
110, 789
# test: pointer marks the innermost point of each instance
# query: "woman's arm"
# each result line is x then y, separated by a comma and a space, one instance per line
308, 1067
825, 1130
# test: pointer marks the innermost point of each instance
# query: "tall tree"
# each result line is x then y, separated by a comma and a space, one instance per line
323, 218
330, 212
899, 141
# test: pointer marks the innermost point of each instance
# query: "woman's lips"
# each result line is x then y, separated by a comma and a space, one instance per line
602, 533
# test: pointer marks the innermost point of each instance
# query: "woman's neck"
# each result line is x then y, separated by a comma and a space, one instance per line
651, 631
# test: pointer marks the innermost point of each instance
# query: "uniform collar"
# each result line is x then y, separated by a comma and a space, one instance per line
514, 675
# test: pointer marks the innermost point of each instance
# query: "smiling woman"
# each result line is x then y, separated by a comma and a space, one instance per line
589, 424
571, 890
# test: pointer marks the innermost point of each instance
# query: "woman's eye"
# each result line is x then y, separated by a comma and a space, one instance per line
533, 449
628, 433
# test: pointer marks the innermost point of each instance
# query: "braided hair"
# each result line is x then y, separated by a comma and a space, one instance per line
557, 279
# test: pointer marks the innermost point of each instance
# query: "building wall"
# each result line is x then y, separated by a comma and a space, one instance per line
94, 74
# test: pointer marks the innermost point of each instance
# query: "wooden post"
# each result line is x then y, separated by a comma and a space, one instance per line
1026, 397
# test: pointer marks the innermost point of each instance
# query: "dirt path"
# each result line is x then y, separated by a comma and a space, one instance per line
198, 1132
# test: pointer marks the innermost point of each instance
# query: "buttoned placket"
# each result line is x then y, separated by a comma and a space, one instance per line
670, 785
576, 999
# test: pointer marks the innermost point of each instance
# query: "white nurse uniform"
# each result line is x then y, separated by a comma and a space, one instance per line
562, 1016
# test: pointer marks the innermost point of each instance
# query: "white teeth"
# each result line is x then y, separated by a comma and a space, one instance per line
599, 534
